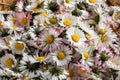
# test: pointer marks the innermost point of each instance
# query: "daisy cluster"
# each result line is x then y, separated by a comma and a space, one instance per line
60, 40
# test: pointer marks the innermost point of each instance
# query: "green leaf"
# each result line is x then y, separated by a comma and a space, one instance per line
96, 19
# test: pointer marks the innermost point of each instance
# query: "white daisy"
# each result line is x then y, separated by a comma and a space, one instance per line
75, 36
29, 67
53, 19
8, 60
18, 47
69, 3
114, 63
90, 33
12, 27
85, 50
38, 22
49, 39
61, 56
68, 20
33, 5
116, 16
107, 39
94, 2
55, 73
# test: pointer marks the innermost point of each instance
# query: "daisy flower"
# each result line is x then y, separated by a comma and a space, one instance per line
107, 39
114, 63
55, 73
33, 6
75, 36
12, 27
79, 71
68, 20
85, 50
8, 61
94, 2
48, 39
53, 19
38, 22
104, 53
69, 3
22, 19
18, 47
29, 67
90, 33
116, 16
61, 56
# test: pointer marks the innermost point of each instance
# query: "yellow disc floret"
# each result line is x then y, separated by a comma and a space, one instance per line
49, 39
82, 70
104, 38
38, 2
75, 37
19, 46
86, 55
67, 1
67, 22
41, 58
1, 25
9, 62
70, 72
89, 36
14, 27
102, 31
61, 55
24, 20
53, 20
92, 1
44, 14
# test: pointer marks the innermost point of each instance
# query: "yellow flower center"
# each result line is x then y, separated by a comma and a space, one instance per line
75, 37
102, 31
49, 39
61, 55
67, 1
36, 10
89, 36
41, 58
82, 70
14, 27
44, 14
1, 25
38, 2
24, 20
14, 19
67, 22
70, 72
117, 15
86, 55
92, 1
19, 46
9, 62
46, 24
104, 38
53, 20
25, 77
